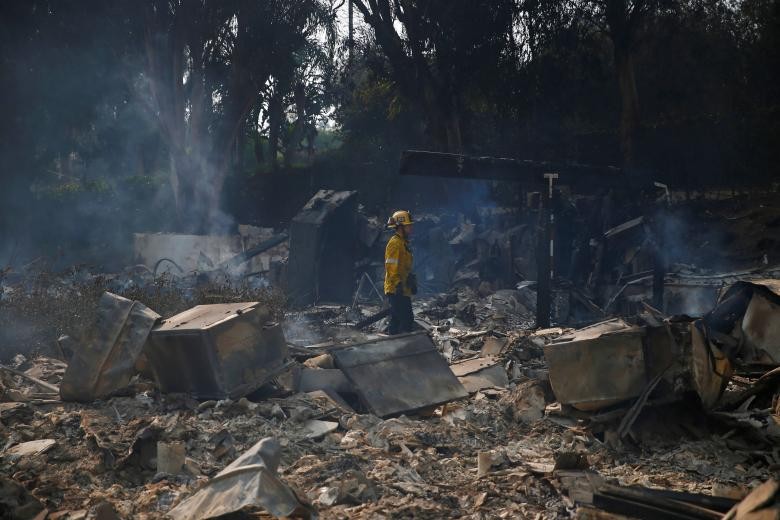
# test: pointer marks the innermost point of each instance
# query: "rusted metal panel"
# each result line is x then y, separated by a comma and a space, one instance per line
106, 361
761, 326
771, 285
217, 351
597, 366
399, 374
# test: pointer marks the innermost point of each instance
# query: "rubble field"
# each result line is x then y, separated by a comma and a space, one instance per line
203, 391
505, 451
407, 467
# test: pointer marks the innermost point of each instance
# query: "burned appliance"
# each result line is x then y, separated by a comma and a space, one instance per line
217, 351
323, 249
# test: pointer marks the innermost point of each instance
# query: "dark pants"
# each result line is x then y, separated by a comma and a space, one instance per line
401, 318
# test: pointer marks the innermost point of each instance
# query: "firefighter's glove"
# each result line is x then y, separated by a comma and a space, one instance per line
411, 282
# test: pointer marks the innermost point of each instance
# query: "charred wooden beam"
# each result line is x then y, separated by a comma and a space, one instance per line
253, 252
362, 324
437, 164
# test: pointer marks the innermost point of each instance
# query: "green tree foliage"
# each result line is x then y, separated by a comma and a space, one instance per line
438, 52
208, 64
160, 102
681, 90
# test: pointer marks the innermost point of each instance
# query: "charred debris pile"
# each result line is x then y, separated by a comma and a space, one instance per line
249, 374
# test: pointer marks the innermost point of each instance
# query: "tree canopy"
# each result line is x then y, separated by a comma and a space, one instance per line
176, 107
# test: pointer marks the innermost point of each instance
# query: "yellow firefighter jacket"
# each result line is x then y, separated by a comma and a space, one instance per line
398, 264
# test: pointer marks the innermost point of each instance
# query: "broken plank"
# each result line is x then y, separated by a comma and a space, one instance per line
633, 413
639, 510
666, 507
43, 384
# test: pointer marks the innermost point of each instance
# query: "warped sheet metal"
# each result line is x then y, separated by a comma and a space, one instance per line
745, 323
711, 369
106, 361
597, 366
250, 480
479, 373
399, 374
761, 322
217, 351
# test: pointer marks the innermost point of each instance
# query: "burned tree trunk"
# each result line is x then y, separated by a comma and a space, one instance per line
274, 125
419, 82
623, 19
254, 131
629, 103
296, 135
200, 150
180, 109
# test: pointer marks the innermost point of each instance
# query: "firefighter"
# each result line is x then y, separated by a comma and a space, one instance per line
400, 281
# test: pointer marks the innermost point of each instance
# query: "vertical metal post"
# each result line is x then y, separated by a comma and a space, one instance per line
542, 269
350, 41
551, 222
546, 256
659, 266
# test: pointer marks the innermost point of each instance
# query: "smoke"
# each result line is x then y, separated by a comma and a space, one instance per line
448, 230
689, 241
198, 151
84, 159
301, 331
78, 153
21, 334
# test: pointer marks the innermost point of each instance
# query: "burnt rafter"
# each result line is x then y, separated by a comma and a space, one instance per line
530, 172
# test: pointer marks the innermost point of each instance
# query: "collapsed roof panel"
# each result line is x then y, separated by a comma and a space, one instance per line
399, 374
